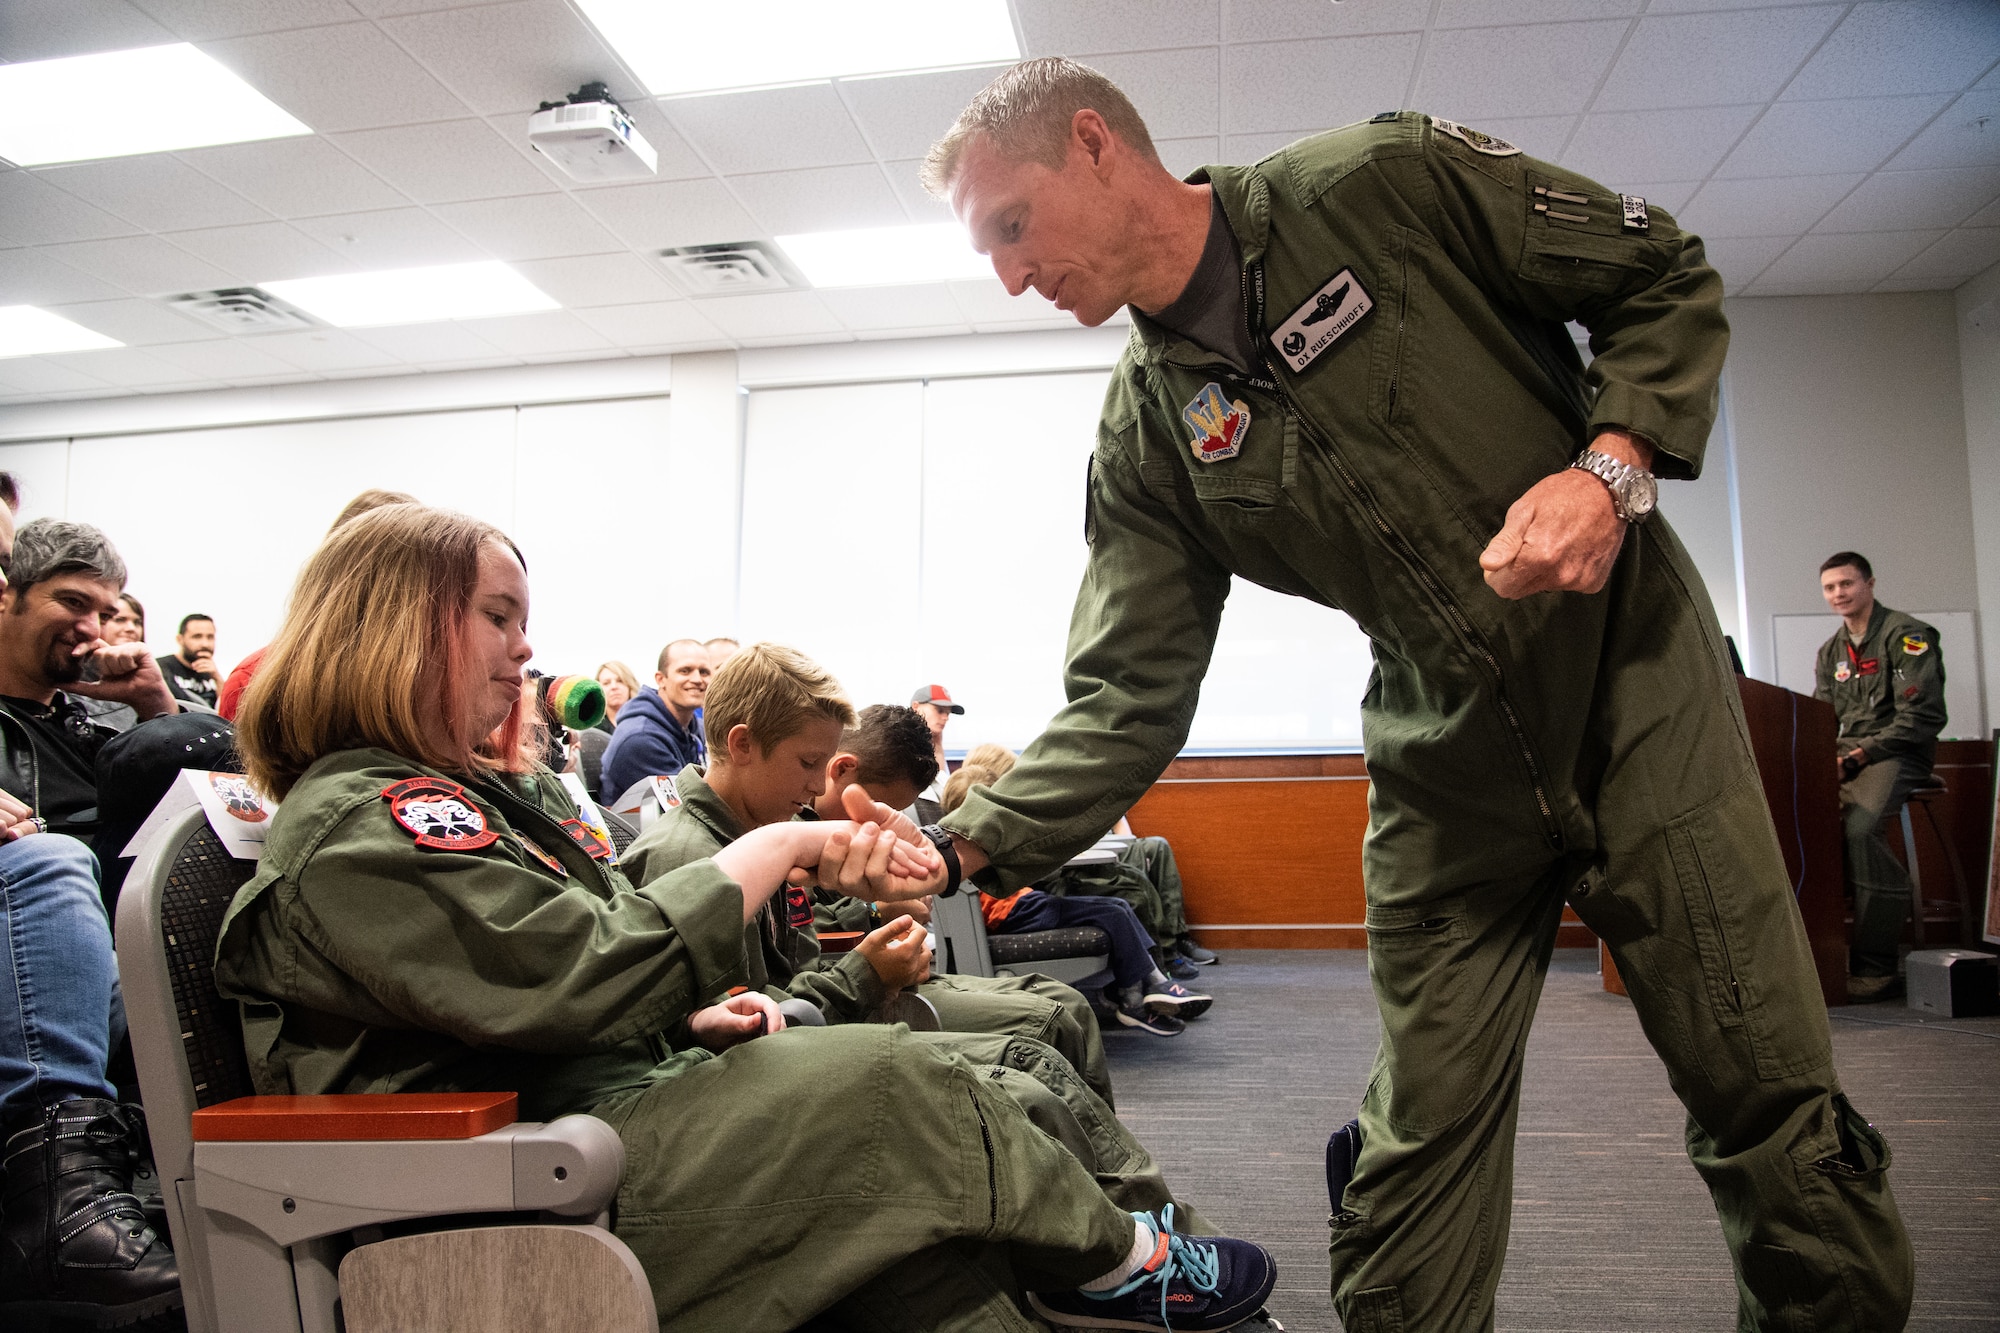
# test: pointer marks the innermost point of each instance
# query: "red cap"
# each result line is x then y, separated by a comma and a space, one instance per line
937, 695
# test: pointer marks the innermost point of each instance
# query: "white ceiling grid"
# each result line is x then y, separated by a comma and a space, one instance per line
1817, 147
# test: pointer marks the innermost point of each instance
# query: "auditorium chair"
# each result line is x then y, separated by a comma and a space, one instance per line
376, 1214
1079, 955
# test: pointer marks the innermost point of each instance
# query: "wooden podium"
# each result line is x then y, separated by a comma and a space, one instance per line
1793, 738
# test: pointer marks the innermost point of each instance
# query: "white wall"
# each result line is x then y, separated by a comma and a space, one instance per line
1977, 306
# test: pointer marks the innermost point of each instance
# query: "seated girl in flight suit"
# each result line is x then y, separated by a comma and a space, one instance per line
430, 914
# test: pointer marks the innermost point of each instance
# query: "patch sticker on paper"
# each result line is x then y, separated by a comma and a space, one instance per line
1916, 645
238, 798
1327, 314
1479, 143
668, 794
1636, 218
1218, 425
1842, 671
439, 815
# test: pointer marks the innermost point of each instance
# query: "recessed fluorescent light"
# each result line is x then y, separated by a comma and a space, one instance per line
886, 256
414, 295
27, 331
153, 100
677, 46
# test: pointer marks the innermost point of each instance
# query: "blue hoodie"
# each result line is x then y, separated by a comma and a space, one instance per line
648, 742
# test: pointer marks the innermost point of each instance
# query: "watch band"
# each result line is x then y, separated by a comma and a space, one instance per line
942, 841
1617, 476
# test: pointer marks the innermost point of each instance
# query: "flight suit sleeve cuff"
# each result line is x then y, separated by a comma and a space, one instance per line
705, 908
1677, 445
869, 992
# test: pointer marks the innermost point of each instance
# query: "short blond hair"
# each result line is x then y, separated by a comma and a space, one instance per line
1027, 113
995, 759
960, 784
774, 691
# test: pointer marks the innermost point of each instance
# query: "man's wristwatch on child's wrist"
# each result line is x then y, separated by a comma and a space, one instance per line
942, 841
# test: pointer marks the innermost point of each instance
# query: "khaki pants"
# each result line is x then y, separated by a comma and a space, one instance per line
1700, 919
1880, 883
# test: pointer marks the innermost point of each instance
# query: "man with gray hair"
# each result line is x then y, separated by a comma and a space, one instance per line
1349, 378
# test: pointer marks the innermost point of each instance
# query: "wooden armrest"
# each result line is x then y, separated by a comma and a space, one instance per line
833, 942
361, 1116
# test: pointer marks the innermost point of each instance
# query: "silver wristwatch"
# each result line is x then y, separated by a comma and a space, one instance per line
1634, 492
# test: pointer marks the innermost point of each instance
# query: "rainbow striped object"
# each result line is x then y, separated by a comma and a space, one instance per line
573, 701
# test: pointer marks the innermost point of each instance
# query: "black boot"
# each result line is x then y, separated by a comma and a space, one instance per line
74, 1242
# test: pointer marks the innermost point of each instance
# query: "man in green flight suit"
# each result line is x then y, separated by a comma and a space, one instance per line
1883, 672
1349, 379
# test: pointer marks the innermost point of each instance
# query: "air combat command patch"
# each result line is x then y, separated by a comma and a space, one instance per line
1916, 645
439, 815
1218, 425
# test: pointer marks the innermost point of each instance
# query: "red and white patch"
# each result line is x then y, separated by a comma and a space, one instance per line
798, 907
1841, 671
586, 837
439, 815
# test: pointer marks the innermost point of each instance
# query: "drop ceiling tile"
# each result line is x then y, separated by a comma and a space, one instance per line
381, 8
1538, 136
1713, 59
51, 29
1051, 322
296, 178
1901, 200
1244, 148
261, 252
902, 115
1781, 207
391, 238
917, 201
141, 265
820, 199
510, 58
38, 375
460, 159
1824, 138
325, 350
1182, 156
651, 217
1964, 253
1860, 258
599, 280
207, 20
1663, 145
862, 309
1177, 92
781, 315
1988, 216
1908, 46
543, 333
430, 345
136, 322
1316, 84
985, 301
1711, 6
1057, 27
154, 192
774, 129
654, 324
1530, 70
1991, 81
1287, 20
541, 226
228, 359
126, 367
1670, 195
346, 77
35, 277
1739, 259
927, 331
34, 212
1965, 134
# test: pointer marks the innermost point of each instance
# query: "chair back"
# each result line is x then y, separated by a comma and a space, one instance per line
187, 1041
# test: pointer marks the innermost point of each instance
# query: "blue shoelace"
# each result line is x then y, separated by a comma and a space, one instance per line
1199, 1265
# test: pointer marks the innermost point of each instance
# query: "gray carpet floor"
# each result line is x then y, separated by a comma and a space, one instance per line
1613, 1232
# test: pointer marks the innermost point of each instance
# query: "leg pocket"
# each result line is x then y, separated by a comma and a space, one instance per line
1781, 1298
1416, 957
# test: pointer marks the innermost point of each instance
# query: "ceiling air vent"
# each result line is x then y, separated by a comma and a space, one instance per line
242, 310
732, 269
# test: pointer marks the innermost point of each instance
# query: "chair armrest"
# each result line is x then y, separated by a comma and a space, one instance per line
292, 1191
356, 1117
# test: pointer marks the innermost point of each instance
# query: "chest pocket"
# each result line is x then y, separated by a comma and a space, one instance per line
1251, 481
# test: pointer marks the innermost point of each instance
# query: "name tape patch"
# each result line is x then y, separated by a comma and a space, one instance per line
1327, 314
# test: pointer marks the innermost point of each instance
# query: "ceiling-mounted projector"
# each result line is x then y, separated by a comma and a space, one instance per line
591, 138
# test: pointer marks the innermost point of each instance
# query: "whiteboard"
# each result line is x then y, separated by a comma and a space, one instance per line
1798, 639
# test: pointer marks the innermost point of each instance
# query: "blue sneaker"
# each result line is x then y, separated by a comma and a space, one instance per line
1177, 1000
1196, 1285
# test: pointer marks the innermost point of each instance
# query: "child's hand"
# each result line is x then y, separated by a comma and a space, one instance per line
869, 862
917, 909
900, 953
738, 1019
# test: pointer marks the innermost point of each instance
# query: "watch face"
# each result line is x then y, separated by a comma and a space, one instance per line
1641, 494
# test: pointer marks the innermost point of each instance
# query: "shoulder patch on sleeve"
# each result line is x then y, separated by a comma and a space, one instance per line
439, 815
1916, 645
1478, 142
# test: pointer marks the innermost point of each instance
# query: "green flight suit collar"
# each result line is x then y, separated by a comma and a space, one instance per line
706, 807
1246, 204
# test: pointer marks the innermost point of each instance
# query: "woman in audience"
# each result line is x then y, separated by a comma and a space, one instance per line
127, 624
619, 686
426, 917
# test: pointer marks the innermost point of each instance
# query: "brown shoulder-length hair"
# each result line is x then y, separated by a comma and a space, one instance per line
370, 653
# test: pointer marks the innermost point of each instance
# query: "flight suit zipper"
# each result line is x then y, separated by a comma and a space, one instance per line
1253, 312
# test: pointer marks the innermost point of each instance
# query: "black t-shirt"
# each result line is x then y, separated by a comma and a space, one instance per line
187, 683
66, 746
1209, 310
